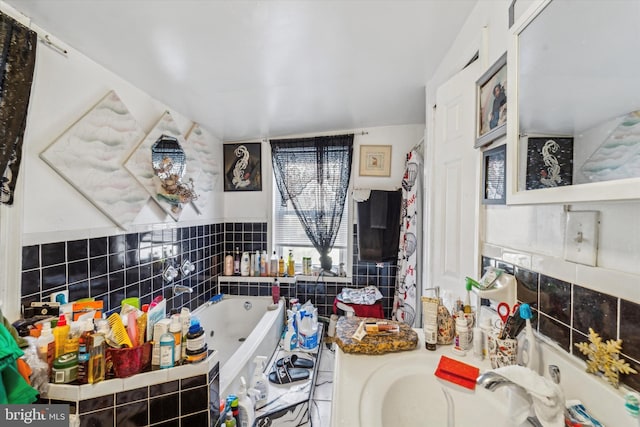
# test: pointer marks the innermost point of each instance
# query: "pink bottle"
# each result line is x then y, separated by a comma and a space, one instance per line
275, 291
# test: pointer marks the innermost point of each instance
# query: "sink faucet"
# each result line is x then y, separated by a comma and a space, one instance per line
492, 381
180, 289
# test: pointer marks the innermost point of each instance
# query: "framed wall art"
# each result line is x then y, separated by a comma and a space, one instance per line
375, 160
549, 162
494, 176
491, 89
243, 166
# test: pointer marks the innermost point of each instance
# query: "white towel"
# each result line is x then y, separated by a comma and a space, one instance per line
541, 394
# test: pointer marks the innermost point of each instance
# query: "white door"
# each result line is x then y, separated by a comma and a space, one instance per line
454, 200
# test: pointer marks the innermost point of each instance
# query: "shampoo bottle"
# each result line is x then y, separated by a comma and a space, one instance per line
246, 413
260, 381
228, 265
46, 344
245, 267
60, 335
264, 264
275, 291
273, 265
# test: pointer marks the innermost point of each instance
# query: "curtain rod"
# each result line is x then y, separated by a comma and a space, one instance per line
46, 40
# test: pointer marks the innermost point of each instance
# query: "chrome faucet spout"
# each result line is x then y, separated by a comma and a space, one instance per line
491, 381
180, 289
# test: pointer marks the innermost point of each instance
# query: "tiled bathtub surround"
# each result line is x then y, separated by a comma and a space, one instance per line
565, 311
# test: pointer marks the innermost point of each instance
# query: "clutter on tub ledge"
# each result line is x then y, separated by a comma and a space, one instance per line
400, 337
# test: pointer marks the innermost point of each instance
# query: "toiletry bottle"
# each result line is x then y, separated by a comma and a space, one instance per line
478, 343
290, 336
256, 266
260, 381
291, 265
185, 322
228, 265
167, 348
462, 332
46, 345
175, 329
528, 351
246, 413
264, 264
229, 420
236, 263
281, 266
430, 338
60, 334
275, 291
195, 338
273, 265
83, 352
97, 360
245, 267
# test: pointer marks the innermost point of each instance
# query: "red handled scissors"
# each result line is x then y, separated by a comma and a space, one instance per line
504, 311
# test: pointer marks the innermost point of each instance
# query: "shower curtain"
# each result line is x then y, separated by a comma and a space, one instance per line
406, 296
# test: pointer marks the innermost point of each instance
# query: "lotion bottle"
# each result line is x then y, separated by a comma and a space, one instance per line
246, 412
260, 381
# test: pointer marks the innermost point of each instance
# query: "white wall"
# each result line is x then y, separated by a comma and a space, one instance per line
537, 231
64, 89
255, 206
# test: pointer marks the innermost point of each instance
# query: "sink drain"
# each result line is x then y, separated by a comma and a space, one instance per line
241, 339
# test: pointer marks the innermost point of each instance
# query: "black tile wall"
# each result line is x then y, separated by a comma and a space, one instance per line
567, 311
112, 268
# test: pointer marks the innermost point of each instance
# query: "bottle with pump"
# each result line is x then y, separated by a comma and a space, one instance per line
260, 381
246, 413
273, 266
60, 334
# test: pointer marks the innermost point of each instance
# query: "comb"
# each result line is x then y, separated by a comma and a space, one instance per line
118, 331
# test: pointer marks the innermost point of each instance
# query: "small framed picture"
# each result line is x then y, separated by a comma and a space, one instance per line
491, 97
375, 160
494, 176
549, 162
243, 167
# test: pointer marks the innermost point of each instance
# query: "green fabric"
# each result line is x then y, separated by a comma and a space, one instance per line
16, 389
13, 389
22, 343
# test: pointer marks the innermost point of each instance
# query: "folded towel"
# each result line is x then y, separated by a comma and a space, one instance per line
541, 394
457, 372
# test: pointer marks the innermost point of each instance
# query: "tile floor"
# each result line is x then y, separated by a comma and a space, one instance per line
321, 403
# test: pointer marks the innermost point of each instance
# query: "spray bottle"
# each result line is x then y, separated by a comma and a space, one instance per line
246, 413
529, 353
260, 381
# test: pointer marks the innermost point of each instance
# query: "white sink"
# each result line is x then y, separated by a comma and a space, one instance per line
404, 391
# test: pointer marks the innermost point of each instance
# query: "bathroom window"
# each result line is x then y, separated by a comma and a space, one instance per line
310, 198
288, 234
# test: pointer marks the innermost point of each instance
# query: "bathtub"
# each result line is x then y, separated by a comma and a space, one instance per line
240, 328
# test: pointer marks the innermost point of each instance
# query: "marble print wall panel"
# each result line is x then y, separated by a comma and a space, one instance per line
139, 163
203, 152
89, 155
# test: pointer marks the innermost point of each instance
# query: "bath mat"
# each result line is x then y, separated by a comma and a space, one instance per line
285, 375
457, 372
294, 361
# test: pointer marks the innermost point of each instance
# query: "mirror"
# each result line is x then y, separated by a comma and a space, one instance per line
576, 131
169, 162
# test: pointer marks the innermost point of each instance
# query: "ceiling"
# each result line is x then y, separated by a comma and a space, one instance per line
252, 69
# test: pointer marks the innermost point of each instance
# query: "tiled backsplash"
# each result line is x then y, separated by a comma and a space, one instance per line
565, 311
112, 268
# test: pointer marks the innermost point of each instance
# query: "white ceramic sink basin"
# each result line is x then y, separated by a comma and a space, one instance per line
406, 392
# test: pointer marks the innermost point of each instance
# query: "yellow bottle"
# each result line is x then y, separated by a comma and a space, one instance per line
292, 265
60, 335
281, 266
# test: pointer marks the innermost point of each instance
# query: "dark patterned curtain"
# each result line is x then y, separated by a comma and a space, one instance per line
17, 63
313, 173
